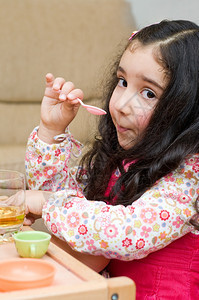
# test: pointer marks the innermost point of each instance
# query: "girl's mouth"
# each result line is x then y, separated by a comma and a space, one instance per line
121, 129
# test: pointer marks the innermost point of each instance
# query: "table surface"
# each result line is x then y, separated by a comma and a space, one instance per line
73, 280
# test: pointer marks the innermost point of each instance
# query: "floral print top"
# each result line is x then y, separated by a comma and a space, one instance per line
157, 218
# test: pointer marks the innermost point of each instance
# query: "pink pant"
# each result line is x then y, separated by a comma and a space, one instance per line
171, 273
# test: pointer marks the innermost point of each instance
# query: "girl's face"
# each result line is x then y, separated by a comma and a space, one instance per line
141, 82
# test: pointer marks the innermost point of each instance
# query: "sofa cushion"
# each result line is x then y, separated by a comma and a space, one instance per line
70, 38
19, 119
12, 157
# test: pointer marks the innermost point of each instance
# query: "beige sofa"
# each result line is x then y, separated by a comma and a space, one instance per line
74, 39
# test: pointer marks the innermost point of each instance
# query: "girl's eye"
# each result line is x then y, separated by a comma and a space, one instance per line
122, 82
148, 94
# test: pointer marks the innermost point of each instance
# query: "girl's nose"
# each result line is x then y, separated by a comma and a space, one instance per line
125, 103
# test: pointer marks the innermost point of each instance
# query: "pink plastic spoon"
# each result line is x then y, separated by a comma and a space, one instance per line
92, 109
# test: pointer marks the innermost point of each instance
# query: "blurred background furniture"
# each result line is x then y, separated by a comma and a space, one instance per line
72, 39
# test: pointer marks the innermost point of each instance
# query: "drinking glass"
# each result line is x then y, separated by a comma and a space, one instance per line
12, 203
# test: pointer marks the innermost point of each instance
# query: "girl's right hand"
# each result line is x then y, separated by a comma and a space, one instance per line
59, 107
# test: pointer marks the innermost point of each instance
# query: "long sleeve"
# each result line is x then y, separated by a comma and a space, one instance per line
158, 217
47, 166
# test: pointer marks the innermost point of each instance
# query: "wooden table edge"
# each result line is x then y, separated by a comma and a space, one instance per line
93, 284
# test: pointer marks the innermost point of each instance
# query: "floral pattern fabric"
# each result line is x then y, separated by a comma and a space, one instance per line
160, 216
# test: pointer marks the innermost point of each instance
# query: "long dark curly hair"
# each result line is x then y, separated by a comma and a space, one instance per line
173, 130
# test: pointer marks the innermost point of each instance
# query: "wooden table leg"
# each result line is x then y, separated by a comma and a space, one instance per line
121, 288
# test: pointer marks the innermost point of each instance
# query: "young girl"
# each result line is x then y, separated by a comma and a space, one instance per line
132, 198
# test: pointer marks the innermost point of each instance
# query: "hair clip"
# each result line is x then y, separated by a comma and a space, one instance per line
133, 34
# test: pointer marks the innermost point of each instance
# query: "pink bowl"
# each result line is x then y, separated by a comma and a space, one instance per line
25, 273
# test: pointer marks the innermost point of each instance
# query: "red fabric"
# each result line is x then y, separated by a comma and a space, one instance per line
170, 273
114, 177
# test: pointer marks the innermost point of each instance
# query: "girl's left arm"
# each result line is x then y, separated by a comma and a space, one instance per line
157, 218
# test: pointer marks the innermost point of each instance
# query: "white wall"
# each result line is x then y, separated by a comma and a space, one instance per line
146, 12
